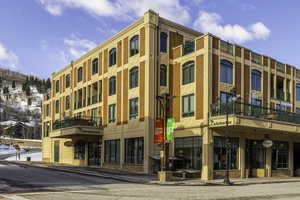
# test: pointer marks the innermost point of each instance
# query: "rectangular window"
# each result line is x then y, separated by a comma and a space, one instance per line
220, 152
112, 113
298, 92
134, 150
280, 107
79, 151
188, 105
188, 73
57, 106
163, 42
280, 155
189, 151
133, 108
112, 151
47, 109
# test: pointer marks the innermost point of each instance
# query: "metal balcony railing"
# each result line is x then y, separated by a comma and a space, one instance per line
243, 109
77, 121
280, 95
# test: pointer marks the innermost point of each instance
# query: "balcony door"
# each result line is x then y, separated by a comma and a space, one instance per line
94, 154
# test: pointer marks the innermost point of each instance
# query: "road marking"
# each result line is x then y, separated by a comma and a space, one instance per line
14, 197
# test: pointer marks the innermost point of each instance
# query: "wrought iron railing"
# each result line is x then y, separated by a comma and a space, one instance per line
77, 121
243, 109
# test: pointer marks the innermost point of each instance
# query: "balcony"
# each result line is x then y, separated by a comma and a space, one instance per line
188, 47
253, 111
226, 47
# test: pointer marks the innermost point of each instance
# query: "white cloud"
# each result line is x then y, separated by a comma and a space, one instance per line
123, 9
8, 58
212, 23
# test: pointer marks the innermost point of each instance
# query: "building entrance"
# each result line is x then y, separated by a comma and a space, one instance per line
255, 158
94, 154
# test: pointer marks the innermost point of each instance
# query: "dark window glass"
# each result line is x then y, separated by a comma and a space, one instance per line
134, 150
280, 155
163, 42
112, 56
226, 71
298, 92
79, 151
79, 74
188, 107
112, 86
57, 106
188, 72
189, 152
95, 66
68, 80
112, 113
280, 107
220, 152
112, 151
134, 45
255, 154
67, 102
134, 77
57, 86
133, 108
256, 80
163, 75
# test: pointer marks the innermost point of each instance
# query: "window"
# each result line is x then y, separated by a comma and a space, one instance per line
163, 75
95, 66
57, 106
134, 150
280, 155
134, 45
112, 57
68, 80
255, 154
256, 102
67, 102
112, 151
57, 86
220, 152
112, 86
47, 109
226, 72
133, 108
79, 74
79, 151
280, 107
188, 105
188, 72
297, 110
112, 113
298, 92
163, 42
134, 77
189, 151
256, 80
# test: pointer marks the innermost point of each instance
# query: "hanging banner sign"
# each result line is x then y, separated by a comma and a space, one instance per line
159, 131
170, 129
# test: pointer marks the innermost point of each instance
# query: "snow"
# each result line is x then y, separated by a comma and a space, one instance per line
7, 149
8, 123
16, 139
23, 157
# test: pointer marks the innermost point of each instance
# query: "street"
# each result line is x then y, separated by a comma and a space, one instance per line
19, 182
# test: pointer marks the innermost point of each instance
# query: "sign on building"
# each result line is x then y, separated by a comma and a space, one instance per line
159, 131
170, 129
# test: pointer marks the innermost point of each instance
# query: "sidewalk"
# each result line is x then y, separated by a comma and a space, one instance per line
139, 178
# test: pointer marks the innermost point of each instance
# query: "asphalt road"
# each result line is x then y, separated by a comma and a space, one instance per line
23, 183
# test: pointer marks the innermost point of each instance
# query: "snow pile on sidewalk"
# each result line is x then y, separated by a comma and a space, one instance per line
7, 149
34, 157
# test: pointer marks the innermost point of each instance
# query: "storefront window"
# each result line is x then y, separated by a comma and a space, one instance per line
79, 149
112, 151
134, 150
189, 151
255, 154
220, 153
280, 155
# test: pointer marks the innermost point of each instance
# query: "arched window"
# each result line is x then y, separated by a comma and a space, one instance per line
79, 74
256, 80
226, 71
134, 77
68, 80
298, 91
112, 86
112, 56
134, 45
57, 106
163, 75
57, 86
163, 42
67, 102
95, 66
188, 72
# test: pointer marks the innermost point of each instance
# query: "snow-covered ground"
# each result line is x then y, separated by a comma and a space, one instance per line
23, 157
7, 149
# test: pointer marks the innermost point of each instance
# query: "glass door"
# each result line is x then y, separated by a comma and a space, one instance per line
56, 151
93, 154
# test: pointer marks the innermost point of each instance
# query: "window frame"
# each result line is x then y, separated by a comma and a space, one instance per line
133, 112
297, 91
134, 45
226, 71
112, 151
57, 106
163, 75
112, 85
95, 66
57, 88
68, 102
68, 80
188, 72
134, 150
112, 113
112, 55
134, 77
191, 108
79, 151
256, 78
79, 74
163, 45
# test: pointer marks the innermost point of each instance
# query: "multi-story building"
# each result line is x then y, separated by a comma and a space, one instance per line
103, 107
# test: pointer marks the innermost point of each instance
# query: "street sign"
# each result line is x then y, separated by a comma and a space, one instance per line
159, 131
170, 129
267, 143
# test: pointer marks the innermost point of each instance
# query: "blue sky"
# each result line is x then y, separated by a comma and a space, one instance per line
41, 36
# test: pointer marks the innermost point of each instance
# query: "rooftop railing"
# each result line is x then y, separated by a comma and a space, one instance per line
77, 121
243, 109
226, 47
